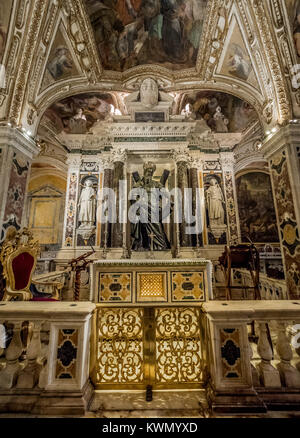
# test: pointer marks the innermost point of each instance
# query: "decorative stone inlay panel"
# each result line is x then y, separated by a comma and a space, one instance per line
289, 231
71, 209
178, 346
120, 356
230, 353
66, 354
115, 287
187, 286
16, 193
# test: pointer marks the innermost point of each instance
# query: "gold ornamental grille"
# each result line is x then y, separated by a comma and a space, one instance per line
178, 346
136, 347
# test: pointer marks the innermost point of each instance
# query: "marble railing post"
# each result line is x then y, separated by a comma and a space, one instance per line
290, 376
69, 235
28, 377
227, 163
9, 374
17, 150
283, 153
268, 374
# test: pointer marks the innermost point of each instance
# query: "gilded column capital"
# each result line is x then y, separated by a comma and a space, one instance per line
227, 161
197, 163
119, 155
181, 154
74, 161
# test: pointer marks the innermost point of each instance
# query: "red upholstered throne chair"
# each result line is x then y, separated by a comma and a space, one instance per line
18, 256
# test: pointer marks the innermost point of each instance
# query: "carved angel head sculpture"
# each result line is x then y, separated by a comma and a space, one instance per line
149, 92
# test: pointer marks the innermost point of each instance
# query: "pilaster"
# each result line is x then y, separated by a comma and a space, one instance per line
74, 164
18, 150
227, 163
282, 152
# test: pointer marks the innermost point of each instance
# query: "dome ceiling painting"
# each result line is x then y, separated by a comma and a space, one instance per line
222, 112
129, 33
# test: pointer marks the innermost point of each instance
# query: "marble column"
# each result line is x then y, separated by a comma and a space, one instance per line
283, 153
182, 159
196, 170
74, 164
108, 179
17, 150
227, 164
119, 157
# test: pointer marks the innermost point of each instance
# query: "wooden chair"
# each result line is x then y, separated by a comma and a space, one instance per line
238, 257
18, 256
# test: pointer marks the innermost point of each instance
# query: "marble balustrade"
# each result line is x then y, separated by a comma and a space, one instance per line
45, 359
270, 288
248, 367
253, 370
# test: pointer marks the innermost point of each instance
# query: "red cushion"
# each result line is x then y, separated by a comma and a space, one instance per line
42, 299
22, 268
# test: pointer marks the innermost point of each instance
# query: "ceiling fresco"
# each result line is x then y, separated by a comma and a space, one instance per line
237, 63
222, 112
60, 63
78, 114
129, 33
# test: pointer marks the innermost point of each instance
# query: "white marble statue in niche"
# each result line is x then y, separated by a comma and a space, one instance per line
215, 205
87, 205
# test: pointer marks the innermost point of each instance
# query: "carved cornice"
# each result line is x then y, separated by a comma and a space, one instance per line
286, 136
12, 137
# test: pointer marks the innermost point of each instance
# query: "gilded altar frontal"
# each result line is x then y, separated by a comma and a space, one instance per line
149, 209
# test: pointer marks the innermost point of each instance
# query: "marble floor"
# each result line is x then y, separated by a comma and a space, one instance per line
160, 414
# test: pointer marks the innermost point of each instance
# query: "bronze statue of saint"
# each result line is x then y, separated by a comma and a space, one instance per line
150, 236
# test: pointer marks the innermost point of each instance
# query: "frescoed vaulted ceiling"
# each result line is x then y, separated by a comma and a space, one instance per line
137, 32
216, 50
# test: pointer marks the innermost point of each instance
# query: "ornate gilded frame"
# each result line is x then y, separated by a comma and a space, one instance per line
14, 245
